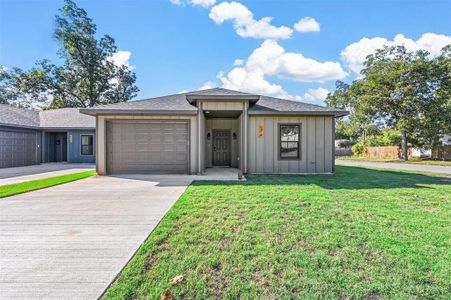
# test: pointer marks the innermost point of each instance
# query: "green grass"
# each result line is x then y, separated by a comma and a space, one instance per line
28, 186
358, 234
416, 161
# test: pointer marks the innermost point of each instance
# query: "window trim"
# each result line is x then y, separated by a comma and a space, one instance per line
81, 144
279, 142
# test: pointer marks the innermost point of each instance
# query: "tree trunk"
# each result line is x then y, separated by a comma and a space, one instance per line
403, 145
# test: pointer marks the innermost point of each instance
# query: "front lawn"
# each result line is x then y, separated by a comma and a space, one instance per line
415, 161
28, 186
361, 233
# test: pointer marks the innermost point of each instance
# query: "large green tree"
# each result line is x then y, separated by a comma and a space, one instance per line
406, 91
87, 77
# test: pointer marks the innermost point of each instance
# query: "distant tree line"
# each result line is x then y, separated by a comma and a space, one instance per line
87, 76
401, 98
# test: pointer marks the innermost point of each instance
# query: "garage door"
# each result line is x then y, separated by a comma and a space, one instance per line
147, 147
18, 148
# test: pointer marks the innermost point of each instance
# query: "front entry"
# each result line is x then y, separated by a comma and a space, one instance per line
221, 147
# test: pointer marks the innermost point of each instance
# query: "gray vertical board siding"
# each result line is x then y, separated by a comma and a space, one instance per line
74, 148
316, 145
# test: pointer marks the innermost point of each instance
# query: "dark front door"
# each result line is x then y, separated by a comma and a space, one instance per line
221, 147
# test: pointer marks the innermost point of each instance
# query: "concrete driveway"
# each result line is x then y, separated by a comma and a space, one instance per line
20, 174
400, 166
70, 241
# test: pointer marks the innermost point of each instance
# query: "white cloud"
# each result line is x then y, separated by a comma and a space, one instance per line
270, 59
238, 62
316, 96
203, 3
207, 85
354, 55
122, 58
307, 24
244, 23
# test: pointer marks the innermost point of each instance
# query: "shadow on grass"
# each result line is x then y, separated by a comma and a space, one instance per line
344, 178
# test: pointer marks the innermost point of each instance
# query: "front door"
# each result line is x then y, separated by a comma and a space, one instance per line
221, 147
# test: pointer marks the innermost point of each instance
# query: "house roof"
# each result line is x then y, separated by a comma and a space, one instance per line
172, 104
276, 106
55, 118
220, 94
183, 104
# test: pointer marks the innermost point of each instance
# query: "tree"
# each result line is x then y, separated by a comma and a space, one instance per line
406, 91
88, 75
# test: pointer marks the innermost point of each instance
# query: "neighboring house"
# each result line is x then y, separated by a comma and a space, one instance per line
30, 137
189, 132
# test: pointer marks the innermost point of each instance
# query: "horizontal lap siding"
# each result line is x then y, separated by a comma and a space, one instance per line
316, 145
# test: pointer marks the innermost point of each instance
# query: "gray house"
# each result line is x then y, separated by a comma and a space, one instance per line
30, 137
189, 132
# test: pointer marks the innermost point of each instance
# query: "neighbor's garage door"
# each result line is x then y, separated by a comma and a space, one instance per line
147, 146
18, 148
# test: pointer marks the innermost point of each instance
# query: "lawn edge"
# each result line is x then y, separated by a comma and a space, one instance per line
88, 174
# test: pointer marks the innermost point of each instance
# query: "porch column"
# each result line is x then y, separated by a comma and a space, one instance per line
199, 144
244, 155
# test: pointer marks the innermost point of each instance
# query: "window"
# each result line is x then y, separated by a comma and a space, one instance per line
87, 145
289, 147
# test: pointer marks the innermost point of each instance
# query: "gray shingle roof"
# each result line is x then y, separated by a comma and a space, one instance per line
179, 104
55, 118
219, 92
171, 103
271, 105
10, 115
65, 118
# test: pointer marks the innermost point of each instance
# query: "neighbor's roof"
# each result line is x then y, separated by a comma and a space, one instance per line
55, 118
65, 118
180, 104
13, 116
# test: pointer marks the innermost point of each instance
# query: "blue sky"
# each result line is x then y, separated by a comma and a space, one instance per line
182, 45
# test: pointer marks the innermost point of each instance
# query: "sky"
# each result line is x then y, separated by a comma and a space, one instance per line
283, 48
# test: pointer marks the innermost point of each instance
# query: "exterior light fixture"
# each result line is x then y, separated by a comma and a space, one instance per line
208, 136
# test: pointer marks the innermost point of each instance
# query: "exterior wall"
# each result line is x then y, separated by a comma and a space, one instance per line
74, 147
317, 145
230, 124
218, 105
101, 137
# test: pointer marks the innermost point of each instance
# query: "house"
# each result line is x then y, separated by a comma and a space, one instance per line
30, 137
189, 132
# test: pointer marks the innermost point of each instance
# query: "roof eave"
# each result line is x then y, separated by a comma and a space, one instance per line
336, 114
95, 112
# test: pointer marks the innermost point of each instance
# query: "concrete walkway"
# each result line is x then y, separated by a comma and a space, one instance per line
71, 240
400, 166
21, 174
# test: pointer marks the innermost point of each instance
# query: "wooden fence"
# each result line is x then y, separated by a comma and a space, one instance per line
389, 152
442, 153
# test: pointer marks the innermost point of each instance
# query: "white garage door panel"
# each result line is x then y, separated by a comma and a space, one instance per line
147, 146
